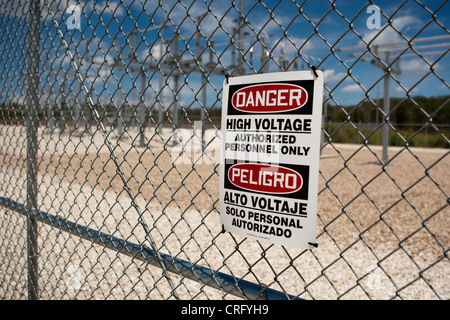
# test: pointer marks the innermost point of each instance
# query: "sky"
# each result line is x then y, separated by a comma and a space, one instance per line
332, 36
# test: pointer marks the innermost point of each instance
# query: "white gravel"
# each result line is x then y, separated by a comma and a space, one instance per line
382, 232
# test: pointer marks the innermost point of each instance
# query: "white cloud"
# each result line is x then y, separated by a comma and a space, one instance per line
403, 91
352, 88
414, 66
332, 76
104, 60
391, 33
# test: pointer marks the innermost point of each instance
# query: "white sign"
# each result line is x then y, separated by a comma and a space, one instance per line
271, 127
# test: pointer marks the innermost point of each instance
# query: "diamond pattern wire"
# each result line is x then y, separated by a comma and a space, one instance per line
110, 136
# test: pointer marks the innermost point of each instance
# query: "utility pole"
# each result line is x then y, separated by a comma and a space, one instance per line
33, 75
386, 101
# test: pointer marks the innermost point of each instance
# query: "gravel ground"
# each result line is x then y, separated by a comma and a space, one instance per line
382, 230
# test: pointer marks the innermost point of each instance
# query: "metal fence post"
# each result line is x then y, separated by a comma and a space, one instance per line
32, 125
386, 108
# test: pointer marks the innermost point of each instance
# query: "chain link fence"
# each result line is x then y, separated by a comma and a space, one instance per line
110, 135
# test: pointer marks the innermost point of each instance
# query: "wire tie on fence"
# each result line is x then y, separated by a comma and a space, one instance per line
313, 68
223, 229
315, 245
226, 78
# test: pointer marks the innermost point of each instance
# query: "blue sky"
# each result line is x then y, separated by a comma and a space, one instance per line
306, 32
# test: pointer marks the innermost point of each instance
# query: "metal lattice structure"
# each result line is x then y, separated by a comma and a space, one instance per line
110, 135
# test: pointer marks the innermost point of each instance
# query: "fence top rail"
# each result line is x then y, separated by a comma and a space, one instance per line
218, 280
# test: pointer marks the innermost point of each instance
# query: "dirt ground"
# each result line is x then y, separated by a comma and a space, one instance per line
382, 230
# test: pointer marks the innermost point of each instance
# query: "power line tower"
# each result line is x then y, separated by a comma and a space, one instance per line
173, 64
388, 67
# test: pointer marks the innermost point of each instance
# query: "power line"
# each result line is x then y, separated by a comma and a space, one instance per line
381, 45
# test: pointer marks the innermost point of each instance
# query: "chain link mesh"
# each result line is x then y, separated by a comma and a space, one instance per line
110, 135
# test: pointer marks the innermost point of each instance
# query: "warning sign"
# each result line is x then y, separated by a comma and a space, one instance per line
271, 126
